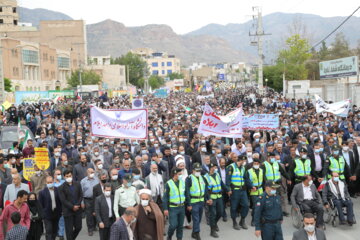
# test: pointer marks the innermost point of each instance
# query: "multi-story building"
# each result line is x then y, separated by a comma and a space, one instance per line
159, 63
9, 17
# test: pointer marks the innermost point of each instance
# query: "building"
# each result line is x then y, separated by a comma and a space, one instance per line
112, 76
159, 63
9, 17
34, 67
100, 60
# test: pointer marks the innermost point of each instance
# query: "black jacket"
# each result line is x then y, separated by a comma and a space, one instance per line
45, 201
102, 211
70, 198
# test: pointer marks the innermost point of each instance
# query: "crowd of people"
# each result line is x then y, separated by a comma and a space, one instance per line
131, 189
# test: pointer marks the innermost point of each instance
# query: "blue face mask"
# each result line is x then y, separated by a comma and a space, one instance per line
273, 192
128, 184
272, 160
279, 161
321, 149
317, 151
136, 177
216, 170
336, 179
50, 185
336, 152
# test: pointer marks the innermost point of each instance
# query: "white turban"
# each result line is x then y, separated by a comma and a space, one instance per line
146, 191
179, 159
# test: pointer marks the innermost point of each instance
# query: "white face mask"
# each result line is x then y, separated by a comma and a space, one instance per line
91, 175
115, 177
310, 228
203, 149
144, 203
256, 166
100, 166
107, 193
69, 179
197, 174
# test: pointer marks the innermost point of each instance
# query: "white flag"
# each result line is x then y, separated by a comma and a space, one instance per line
341, 108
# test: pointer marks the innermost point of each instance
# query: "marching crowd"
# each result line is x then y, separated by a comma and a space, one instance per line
131, 189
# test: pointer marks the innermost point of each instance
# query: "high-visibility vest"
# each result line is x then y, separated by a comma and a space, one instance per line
197, 190
272, 171
214, 185
302, 168
337, 166
176, 194
256, 181
237, 176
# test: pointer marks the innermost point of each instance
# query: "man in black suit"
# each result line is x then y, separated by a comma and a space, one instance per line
199, 155
353, 168
104, 212
309, 231
99, 188
71, 197
51, 204
317, 164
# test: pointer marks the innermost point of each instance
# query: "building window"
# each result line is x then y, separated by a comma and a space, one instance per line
155, 72
63, 62
1, 9
14, 9
155, 64
52, 59
162, 72
30, 56
46, 73
52, 74
15, 71
15, 22
1, 21
14, 53
169, 72
169, 64
45, 57
163, 64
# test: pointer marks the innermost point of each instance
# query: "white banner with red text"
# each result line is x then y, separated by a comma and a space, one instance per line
131, 124
223, 126
261, 122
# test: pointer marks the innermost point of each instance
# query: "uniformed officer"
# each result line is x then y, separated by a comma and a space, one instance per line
216, 206
335, 163
300, 167
268, 215
196, 195
174, 203
237, 183
256, 176
273, 170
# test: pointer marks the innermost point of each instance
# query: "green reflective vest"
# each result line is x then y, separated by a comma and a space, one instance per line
337, 166
214, 185
176, 194
256, 181
302, 168
237, 177
197, 190
272, 171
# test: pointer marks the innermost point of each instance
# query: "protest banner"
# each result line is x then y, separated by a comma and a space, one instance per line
261, 122
137, 103
340, 109
28, 168
161, 93
42, 158
222, 126
202, 97
132, 124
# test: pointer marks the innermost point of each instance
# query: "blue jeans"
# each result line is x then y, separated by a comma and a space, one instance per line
61, 230
196, 214
349, 209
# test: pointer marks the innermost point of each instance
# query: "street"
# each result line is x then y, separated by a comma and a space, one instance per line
227, 232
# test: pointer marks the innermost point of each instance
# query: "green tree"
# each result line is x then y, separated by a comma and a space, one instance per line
340, 47
274, 75
137, 68
155, 81
8, 85
175, 75
89, 77
295, 57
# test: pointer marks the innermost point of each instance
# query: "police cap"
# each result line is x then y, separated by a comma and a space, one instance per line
271, 184
197, 166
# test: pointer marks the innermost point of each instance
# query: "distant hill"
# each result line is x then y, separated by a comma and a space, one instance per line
36, 15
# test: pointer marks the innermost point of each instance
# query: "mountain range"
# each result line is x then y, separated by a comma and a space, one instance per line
212, 43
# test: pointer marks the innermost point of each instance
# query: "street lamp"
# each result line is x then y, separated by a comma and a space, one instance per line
266, 80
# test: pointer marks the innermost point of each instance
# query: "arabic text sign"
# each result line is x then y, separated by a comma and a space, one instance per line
228, 126
341, 108
342, 67
28, 168
42, 158
261, 122
29, 96
130, 124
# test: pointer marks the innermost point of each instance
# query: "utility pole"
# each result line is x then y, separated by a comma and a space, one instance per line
259, 33
2, 83
80, 71
127, 77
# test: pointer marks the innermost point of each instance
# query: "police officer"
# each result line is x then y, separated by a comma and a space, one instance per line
273, 170
174, 203
216, 206
300, 167
237, 183
256, 176
335, 163
268, 215
196, 195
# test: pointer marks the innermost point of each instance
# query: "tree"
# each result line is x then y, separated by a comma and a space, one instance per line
8, 85
340, 47
137, 67
295, 57
274, 75
89, 77
175, 75
155, 81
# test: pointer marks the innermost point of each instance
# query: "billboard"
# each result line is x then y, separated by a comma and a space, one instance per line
178, 82
337, 68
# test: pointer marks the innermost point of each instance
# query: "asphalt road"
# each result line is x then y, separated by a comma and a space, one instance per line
227, 232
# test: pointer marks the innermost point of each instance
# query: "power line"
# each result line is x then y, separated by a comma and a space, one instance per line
342, 23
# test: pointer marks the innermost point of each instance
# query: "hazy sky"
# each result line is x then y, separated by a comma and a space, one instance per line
187, 15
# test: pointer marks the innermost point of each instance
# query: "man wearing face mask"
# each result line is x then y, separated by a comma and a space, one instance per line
149, 218
114, 180
215, 158
268, 214
196, 195
306, 197
336, 191
154, 181
300, 167
80, 169
238, 183
87, 185
309, 231
121, 229
335, 163
351, 166
71, 197
199, 156
99, 168
174, 203
138, 181
55, 160
37, 180
126, 196
107, 156
104, 213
